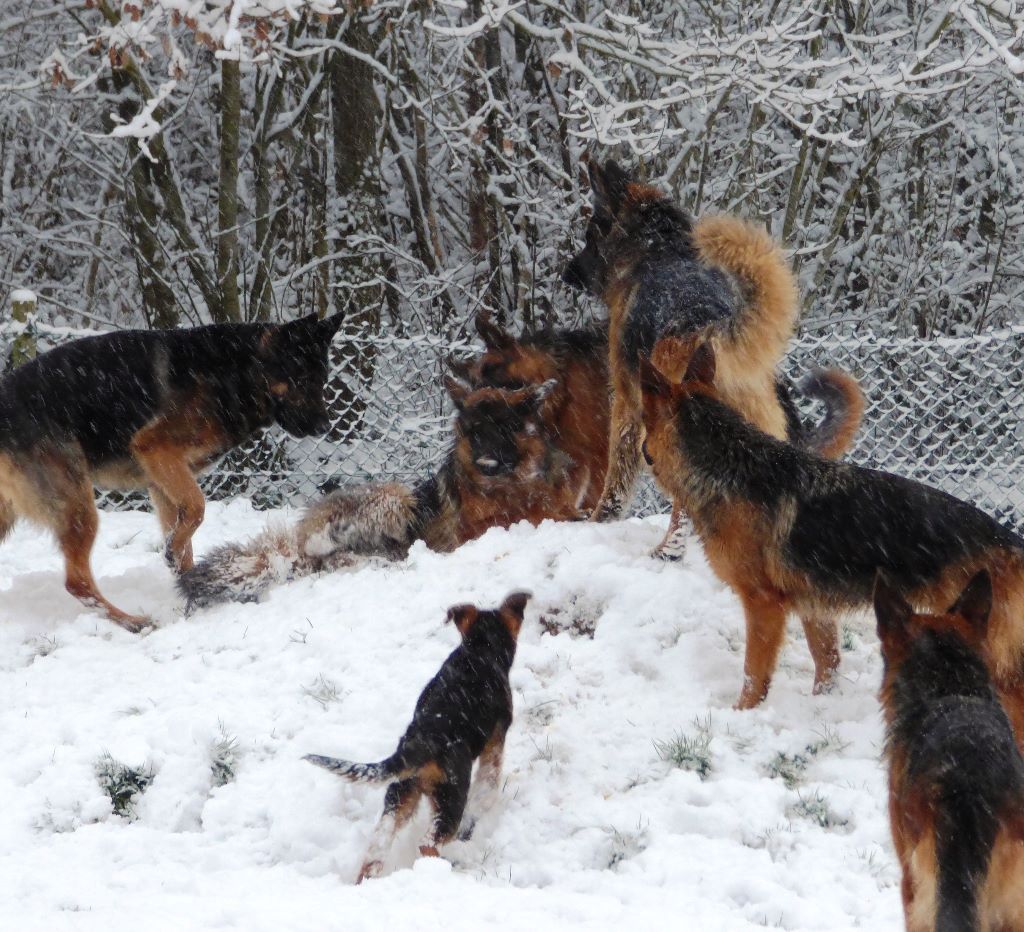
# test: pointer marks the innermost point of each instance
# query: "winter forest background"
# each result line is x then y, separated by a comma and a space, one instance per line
409, 162
168, 162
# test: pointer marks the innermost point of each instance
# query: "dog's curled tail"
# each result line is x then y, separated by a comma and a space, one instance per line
761, 330
844, 410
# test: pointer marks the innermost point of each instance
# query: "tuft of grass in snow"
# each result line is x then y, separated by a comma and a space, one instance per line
43, 646
817, 809
689, 752
848, 641
122, 783
223, 758
790, 768
626, 845
322, 690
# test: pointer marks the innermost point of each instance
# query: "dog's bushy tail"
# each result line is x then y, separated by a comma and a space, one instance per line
965, 831
382, 772
373, 520
844, 409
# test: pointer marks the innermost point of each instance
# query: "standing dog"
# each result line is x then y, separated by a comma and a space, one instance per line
576, 413
660, 273
463, 714
792, 532
148, 409
956, 777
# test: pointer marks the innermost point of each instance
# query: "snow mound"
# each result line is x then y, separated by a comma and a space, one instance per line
634, 797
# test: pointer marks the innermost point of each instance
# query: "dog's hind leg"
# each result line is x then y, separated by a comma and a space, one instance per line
75, 524
448, 799
400, 802
766, 629
823, 639
623, 459
673, 545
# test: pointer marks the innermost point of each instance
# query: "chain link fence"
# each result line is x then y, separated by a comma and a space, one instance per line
947, 411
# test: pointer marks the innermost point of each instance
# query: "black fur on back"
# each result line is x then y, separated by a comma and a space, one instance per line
466, 700
589, 342
958, 744
849, 521
98, 391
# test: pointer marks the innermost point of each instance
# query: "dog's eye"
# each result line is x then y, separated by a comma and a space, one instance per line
647, 456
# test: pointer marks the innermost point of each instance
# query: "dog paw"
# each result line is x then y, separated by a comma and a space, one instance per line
670, 553
465, 832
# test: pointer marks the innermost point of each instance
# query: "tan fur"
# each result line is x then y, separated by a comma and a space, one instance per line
748, 355
742, 545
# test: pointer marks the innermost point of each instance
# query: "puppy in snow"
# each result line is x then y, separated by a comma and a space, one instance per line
462, 715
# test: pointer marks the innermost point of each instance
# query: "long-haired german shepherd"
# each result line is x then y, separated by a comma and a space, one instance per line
501, 468
462, 715
956, 776
576, 413
148, 409
661, 273
792, 532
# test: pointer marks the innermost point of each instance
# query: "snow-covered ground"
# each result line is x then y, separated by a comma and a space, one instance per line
594, 828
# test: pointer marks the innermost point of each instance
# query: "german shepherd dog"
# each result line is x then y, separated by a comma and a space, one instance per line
502, 468
148, 409
576, 413
462, 716
661, 273
789, 531
956, 776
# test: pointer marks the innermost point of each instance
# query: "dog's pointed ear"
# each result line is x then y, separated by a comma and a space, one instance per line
609, 184
975, 603
702, 365
652, 382
494, 337
459, 391
329, 326
892, 612
463, 616
512, 611
460, 368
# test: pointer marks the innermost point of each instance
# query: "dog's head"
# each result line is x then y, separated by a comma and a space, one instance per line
627, 219
506, 362
901, 630
663, 390
481, 625
294, 360
499, 432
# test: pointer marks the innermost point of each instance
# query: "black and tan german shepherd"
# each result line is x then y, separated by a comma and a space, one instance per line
462, 716
956, 776
575, 414
501, 468
661, 272
148, 409
792, 532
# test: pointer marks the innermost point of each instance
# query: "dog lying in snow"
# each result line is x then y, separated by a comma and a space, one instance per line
461, 716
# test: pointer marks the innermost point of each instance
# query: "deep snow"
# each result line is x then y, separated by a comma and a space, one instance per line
593, 830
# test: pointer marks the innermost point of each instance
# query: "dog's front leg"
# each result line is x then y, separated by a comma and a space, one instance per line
766, 629
483, 793
162, 451
623, 457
